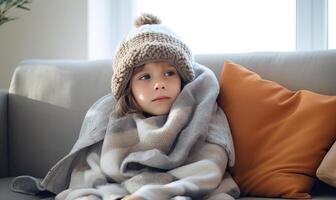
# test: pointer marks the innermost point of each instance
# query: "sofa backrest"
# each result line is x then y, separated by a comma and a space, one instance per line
48, 99
3, 134
47, 103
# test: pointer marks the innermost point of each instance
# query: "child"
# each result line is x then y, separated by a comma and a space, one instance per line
160, 135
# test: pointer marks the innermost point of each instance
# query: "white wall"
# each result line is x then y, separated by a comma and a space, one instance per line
50, 30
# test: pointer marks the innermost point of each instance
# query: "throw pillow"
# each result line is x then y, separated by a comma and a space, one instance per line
326, 172
280, 136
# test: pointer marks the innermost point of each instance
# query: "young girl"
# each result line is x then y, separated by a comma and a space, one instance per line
159, 135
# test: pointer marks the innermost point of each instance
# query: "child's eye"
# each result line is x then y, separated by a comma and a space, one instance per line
144, 77
170, 73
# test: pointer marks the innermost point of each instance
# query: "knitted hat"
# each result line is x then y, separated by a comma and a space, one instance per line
149, 42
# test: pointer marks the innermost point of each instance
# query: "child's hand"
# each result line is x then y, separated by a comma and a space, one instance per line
132, 197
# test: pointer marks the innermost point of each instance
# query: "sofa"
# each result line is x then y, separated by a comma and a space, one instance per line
42, 112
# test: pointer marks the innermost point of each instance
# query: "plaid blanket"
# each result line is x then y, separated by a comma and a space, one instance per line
181, 155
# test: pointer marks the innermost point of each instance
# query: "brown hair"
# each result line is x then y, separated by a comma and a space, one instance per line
126, 103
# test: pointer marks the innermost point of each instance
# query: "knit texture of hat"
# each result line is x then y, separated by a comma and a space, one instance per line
149, 42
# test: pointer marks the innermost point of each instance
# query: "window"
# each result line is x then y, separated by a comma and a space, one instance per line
332, 24
219, 26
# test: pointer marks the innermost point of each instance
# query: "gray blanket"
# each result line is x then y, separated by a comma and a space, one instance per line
181, 155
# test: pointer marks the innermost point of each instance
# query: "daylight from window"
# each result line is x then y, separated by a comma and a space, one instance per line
332, 24
226, 25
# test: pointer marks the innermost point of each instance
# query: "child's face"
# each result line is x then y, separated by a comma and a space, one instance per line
155, 87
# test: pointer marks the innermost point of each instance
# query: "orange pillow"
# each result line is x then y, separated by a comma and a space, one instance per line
280, 136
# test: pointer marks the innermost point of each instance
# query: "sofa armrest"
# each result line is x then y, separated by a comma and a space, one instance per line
3, 134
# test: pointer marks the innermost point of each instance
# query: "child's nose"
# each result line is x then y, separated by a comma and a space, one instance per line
159, 85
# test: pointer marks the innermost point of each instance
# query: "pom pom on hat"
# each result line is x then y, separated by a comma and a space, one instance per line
146, 18
148, 44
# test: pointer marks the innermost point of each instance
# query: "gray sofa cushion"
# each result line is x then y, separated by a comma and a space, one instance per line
40, 134
311, 70
47, 103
